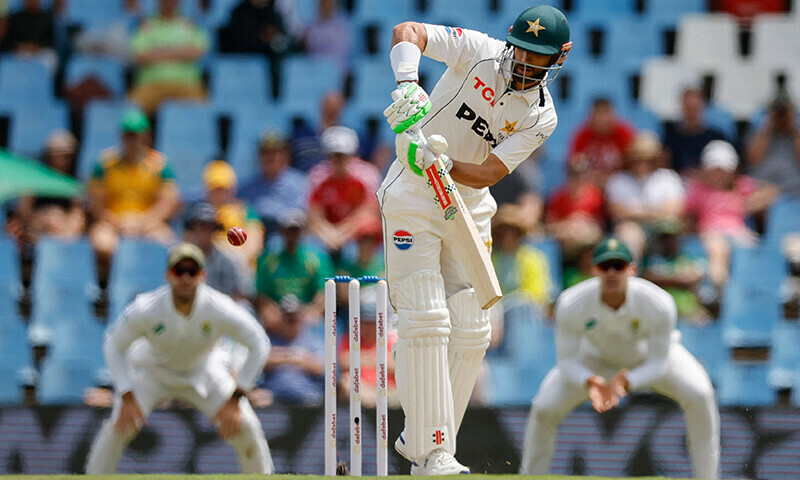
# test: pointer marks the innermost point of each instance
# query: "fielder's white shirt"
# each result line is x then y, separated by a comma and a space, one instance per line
475, 111
180, 346
636, 336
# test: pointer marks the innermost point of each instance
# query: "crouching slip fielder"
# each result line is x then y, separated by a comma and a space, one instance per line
622, 328
493, 107
164, 346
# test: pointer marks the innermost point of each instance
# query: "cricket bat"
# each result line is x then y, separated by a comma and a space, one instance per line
474, 253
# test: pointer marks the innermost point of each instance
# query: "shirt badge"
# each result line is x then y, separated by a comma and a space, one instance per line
590, 324
158, 329
509, 128
635, 325
205, 328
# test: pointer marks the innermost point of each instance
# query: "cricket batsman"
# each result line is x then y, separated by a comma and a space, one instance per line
493, 109
615, 333
164, 346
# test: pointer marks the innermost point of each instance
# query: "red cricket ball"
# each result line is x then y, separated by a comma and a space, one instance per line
237, 236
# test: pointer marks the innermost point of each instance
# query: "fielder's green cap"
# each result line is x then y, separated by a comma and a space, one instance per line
186, 251
134, 121
611, 249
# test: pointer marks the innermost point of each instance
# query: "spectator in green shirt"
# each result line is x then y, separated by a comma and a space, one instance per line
167, 49
294, 268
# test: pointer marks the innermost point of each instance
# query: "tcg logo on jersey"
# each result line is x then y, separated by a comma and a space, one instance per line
402, 239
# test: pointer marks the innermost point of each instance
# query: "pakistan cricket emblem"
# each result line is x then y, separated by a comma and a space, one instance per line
205, 328
635, 325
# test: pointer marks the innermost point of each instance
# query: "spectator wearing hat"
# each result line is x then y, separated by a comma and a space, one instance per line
292, 268
167, 49
576, 211
295, 369
279, 187
132, 191
62, 216
773, 151
719, 201
223, 272
342, 196
220, 186
685, 139
642, 193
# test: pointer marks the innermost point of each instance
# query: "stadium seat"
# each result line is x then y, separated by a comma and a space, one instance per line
305, 80
668, 14
663, 82
748, 314
526, 337
707, 40
602, 10
373, 85
100, 131
504, 380
83, 12
10, 280
642, 118
57, 304
692, 246
550, 247
762, 266
390, 11
248, 125
705, 343
509, 9
14, 347
108, 70
219, 13
238, 81
592, 79
718, 118
78, 342
10, 385
31, 126
63, 261
453, 13
138, 266
744, 384
24, 83
743, 88
775, 33
187, 135
629, 41
784, 355
63, 382
782, 219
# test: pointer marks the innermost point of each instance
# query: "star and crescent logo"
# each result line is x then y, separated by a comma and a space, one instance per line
509, 128
534, 27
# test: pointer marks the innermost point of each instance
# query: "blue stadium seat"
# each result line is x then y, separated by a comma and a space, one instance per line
248, 125
238, 81
391, 12
509, 383
705, 343
62, 261
55, 304
550, 247
641, 118
628, 41
510, 9
108, 70
667, 14
305, 80
782, 219
78, 342
692, 246
24, 83
31, 125
592, 79
100, 131
187, 135
373, 85
138, 266
14, 347
219, 13
63, 382
744, 384
721, 120
784, 355
602, 10
526, 337
758, 266
306, 10
748, 314
91, 12
453, 13
10, 280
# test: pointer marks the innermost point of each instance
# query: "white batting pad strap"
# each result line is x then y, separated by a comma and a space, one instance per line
469, 339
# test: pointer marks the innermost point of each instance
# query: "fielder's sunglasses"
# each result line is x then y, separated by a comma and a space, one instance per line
179, 270
618, 265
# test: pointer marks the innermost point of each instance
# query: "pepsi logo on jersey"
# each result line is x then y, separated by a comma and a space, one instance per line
402, 239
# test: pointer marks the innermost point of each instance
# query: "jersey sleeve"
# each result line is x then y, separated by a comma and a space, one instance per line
452, 45
128, 328
244, 329
519, 145
568, 341
658, 342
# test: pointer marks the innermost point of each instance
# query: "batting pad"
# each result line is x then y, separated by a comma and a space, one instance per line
469, 338
421, 370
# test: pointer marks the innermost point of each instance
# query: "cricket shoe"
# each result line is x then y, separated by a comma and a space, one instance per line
438, 462
400, 447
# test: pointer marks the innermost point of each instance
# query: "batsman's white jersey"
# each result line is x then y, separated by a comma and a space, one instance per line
442, 331
158, 353
593, 339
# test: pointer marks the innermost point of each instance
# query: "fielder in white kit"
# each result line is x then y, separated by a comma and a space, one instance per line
164, 346
616, 333
493, 108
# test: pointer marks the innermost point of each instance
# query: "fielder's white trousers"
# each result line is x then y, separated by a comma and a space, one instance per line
209, 390
685, 381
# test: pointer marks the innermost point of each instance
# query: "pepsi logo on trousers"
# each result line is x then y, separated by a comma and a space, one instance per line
402, 239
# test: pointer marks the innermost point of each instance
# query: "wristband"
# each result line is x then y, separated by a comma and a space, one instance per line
405, 61
238, 393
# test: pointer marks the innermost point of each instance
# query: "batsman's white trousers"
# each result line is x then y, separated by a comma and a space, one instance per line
417, 239
685, 381
209, 390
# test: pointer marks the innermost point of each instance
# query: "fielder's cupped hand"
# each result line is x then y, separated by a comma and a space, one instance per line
418, 152
410, 105
601, 394
228, 419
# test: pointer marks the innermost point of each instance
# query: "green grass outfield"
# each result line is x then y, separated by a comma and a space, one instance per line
285, 477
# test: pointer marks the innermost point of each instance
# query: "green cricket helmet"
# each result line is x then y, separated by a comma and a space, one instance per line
542, 30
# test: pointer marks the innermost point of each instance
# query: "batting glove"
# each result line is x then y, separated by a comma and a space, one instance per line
410, 105
411, 149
